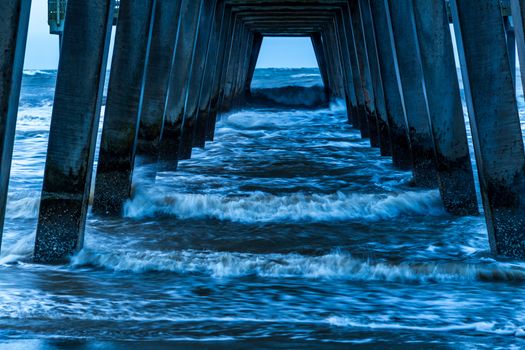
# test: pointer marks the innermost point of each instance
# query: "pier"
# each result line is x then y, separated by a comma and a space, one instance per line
178, 65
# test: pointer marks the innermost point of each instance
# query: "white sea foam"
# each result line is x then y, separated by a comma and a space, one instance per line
297, 207
330, 266
23, 208
305, 75
33, 72
481, 327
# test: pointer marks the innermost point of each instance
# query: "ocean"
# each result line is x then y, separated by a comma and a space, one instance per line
287, 232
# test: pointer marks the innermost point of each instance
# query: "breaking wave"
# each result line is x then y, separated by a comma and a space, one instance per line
298, 207
290, 96
335, 265
35, 72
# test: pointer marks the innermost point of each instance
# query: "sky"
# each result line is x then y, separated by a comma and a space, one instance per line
42, 47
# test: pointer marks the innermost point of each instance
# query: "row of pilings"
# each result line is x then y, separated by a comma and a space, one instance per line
178, 64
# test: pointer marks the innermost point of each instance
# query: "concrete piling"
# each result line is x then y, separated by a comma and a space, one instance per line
254, 55
156, 82
411, 78
493, 113
317, 45
179, 82
401, 150
226, 97
383, 129
518, 16
350, 97
361, 118
333, 49
14, 23
73, 133
123, 107
212, 69
456, 179
368, 109
220, 73
196, 79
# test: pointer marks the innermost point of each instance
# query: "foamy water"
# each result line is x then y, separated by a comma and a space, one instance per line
289, 229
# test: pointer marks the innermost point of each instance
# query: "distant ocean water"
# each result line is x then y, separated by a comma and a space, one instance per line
289, 231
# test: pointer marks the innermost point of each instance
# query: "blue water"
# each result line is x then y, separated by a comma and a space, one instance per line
289, 231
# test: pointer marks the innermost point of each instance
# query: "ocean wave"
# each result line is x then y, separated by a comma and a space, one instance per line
480, 327
34, 72
297, 207
290, 96
23, 208
336, 265
306, 75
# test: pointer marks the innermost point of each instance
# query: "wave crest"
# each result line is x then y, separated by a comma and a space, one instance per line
331, 266
298, 207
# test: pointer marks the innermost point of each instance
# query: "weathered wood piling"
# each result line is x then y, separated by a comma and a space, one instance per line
179, 64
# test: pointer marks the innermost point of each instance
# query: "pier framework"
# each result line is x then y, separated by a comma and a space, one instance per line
178, 65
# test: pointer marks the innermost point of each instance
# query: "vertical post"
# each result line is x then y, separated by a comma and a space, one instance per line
362, 120
401, 152
123, 106
321, 61
73, 133
254, 55
351, 98
377, 82
179, 84
518, 17
156, 83
218, 80
511, 45
247, 43
411, 78
330, 42
220, 77
196, 79
456, 179
213, 67
369, 108
14, 23
493, 114
333, 64
227, 93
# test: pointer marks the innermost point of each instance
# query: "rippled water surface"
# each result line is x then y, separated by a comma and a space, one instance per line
289, 231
